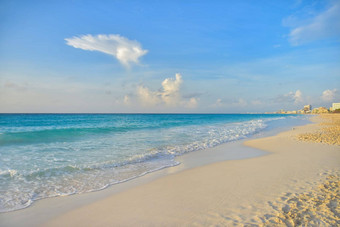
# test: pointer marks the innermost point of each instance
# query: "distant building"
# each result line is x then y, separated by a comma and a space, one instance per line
301, 111
307, 108
320, 110
335, 106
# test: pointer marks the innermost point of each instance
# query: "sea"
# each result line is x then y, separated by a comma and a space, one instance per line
49, 155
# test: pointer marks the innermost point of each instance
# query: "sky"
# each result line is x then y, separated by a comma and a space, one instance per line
168, 56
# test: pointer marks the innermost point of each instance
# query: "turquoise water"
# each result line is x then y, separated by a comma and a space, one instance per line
46, 155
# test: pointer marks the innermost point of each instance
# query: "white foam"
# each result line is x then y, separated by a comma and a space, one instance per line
10, 172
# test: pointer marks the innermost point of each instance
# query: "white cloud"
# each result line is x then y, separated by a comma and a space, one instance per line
295, 97
126, 51
329, 95
298, 97
324, 25
191, 103
147, 97
169, 95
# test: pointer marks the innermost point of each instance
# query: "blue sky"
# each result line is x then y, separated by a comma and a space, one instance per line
168, 56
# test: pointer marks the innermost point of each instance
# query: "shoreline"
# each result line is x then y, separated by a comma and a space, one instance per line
205, 162
271, 129
36, 213
78, 164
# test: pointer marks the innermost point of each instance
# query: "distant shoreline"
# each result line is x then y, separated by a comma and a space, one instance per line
155, 113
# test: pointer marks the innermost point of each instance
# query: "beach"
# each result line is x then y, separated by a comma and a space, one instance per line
291, 181
169, 113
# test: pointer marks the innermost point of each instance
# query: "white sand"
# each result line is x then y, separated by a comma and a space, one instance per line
237, 192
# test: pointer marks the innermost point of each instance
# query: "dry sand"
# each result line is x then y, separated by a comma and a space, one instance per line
328, 132
318, 207
296, 184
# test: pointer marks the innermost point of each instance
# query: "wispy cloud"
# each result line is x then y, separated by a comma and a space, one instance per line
126, 51
329, 95
257, 102
127, 100
324, 25
218, 103
240, 102
15, 86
